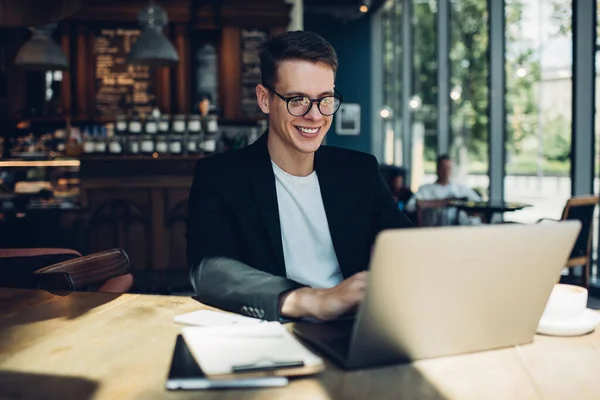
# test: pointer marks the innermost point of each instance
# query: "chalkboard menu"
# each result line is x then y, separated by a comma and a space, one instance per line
120, 87
251, 41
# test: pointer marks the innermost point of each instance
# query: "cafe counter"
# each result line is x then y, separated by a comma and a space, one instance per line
139, 204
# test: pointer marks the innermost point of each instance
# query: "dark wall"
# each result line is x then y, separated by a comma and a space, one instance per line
352, 42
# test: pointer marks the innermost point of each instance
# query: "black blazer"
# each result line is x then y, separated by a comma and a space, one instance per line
234, 245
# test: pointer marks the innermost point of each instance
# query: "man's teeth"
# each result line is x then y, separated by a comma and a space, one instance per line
307, 130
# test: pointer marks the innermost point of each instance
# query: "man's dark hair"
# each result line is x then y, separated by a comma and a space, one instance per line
294, 45
443, 157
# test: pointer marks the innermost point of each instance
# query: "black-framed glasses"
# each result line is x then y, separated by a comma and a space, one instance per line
299, 106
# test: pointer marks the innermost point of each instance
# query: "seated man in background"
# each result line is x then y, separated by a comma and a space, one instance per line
285, 226
444, 189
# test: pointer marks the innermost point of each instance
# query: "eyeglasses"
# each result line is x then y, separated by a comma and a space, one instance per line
299, 106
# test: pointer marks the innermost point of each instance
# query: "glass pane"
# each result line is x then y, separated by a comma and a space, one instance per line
392, 74
469, 66
538, 106
424, 101
594, 264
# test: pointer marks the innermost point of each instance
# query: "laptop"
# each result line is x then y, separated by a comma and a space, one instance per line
443, 291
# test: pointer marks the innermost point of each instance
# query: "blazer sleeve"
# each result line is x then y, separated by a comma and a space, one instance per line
213, 253
386, 214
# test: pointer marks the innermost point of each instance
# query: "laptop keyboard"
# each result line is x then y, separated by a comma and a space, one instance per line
332, 336
339, 345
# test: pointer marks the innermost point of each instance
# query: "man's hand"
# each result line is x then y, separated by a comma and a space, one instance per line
325, 304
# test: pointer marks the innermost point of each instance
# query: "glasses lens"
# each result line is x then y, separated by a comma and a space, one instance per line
298, 106
329, 105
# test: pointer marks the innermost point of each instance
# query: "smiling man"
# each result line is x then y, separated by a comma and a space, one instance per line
285, 226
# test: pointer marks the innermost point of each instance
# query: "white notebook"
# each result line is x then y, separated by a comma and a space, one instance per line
214, 318
265, 348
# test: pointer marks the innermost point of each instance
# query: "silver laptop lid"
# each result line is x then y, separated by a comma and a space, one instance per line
442, 291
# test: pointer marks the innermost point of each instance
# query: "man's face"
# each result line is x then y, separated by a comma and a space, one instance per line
298, 78
445, 170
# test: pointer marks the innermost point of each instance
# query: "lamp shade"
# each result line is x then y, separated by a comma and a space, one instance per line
41, 52
152, 47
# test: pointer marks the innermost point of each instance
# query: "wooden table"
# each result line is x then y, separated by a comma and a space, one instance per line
486, 209
102, 346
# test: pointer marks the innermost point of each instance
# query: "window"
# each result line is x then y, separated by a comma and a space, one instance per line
594, 263
392, 82
424, 99
469, 73
538, 104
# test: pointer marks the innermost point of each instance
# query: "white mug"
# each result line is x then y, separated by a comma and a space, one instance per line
566, 302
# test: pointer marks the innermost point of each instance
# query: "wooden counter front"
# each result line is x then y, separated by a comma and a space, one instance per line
138, 204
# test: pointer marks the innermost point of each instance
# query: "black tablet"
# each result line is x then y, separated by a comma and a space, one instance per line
185, 374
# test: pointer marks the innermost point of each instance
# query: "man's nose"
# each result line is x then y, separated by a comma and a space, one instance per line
314, 114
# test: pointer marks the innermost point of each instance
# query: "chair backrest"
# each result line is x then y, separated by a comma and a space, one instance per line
432, 213
80, 272
17, 265
582, 209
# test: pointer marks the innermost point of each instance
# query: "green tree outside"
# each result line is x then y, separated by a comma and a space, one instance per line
469, 63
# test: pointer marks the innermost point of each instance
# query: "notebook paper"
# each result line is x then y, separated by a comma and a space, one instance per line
214, 318
267, 345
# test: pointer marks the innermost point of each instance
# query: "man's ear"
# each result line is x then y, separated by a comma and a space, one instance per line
262, 97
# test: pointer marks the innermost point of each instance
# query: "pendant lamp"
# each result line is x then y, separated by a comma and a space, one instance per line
152, 47
41, 52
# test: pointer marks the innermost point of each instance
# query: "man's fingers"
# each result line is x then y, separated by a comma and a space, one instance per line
356, 293
360, 275
360, 282
358, 286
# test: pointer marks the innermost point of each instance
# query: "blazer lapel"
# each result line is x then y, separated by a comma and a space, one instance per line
265, 194
332, 193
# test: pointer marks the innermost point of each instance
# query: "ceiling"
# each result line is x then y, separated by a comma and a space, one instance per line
341, 9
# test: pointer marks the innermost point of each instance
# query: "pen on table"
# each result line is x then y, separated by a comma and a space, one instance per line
266, 366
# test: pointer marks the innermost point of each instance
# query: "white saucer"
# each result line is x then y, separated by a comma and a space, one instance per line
587, 322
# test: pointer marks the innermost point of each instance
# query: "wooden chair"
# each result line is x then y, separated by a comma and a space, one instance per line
581, 208
35, 257
432, 213
106, 271
18, 265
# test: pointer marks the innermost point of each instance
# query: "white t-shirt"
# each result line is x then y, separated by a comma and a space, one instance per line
435, 191
307, 247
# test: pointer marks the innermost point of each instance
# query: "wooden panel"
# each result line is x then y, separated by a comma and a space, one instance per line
182, 81
127, 11
82, 73
207, 16
90, 73
229, 77
163, 85
277, 30
145, 215
139, 183
36, 12
65, 41
175, 227
159, 253
121, 219
137, 166
16, 84
258, 14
